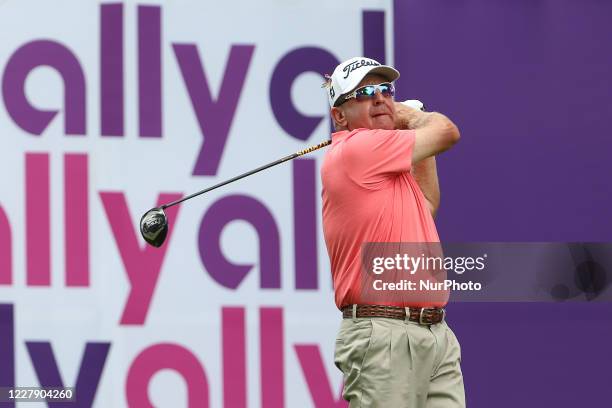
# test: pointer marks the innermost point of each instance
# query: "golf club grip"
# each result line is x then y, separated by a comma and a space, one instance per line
313, 148
248, 173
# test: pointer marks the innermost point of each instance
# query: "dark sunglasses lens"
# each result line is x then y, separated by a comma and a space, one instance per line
387, 89
369, 91
365, 92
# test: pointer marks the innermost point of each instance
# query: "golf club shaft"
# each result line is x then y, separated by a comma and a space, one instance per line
248, 173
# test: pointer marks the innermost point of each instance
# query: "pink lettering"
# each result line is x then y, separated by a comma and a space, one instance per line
76, 219
6, 260
234, 358
272, 357
316, 377
142, 265
160, 357
38, 225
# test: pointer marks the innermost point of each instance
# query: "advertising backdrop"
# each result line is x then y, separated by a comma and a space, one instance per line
111, 108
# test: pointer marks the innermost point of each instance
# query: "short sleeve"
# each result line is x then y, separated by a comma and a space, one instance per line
374, 155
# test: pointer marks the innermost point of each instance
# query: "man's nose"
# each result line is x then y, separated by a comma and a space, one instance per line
378, 97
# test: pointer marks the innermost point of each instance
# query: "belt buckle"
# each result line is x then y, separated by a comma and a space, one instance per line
421, 315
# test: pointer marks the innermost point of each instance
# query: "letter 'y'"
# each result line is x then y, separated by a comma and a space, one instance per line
142, 265
214, 116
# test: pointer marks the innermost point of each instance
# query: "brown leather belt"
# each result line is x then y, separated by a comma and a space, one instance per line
421, 315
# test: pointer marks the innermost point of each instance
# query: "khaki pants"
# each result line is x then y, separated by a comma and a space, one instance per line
392, 363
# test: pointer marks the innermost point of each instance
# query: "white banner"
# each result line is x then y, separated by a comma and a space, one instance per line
112, 108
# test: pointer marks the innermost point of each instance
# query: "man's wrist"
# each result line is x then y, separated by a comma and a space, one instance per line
419, 119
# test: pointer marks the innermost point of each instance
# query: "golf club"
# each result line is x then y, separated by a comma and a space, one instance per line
154, 223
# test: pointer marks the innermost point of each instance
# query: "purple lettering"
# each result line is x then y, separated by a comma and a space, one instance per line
305, 223
292, 65
88, 376
214, 115
55, 55
7, 350
229, 274
149, 71
111, 70
374, 35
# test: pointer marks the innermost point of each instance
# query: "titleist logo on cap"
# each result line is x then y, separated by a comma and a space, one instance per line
357, 64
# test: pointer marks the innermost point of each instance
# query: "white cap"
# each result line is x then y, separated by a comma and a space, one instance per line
349, 74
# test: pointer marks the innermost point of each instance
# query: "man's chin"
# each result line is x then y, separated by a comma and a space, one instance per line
383, 122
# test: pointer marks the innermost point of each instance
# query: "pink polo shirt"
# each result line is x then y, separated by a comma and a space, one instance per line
369, 195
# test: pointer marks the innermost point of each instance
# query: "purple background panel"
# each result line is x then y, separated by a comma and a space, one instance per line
528, 82
534, 354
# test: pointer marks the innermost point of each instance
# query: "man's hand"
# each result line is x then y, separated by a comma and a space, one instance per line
404, 115
409, 118
435, 132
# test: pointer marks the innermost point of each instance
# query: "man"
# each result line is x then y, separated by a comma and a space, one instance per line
380, 185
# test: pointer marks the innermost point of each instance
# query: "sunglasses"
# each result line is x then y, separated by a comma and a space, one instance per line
369, 91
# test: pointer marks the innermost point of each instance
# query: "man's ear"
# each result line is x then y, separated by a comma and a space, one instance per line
339, 117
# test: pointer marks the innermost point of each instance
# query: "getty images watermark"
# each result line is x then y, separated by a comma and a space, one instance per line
430, 273
402, 264
419, 273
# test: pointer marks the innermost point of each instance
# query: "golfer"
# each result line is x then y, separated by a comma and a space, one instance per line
380, 185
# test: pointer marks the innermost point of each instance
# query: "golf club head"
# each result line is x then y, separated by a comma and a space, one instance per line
154, 226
